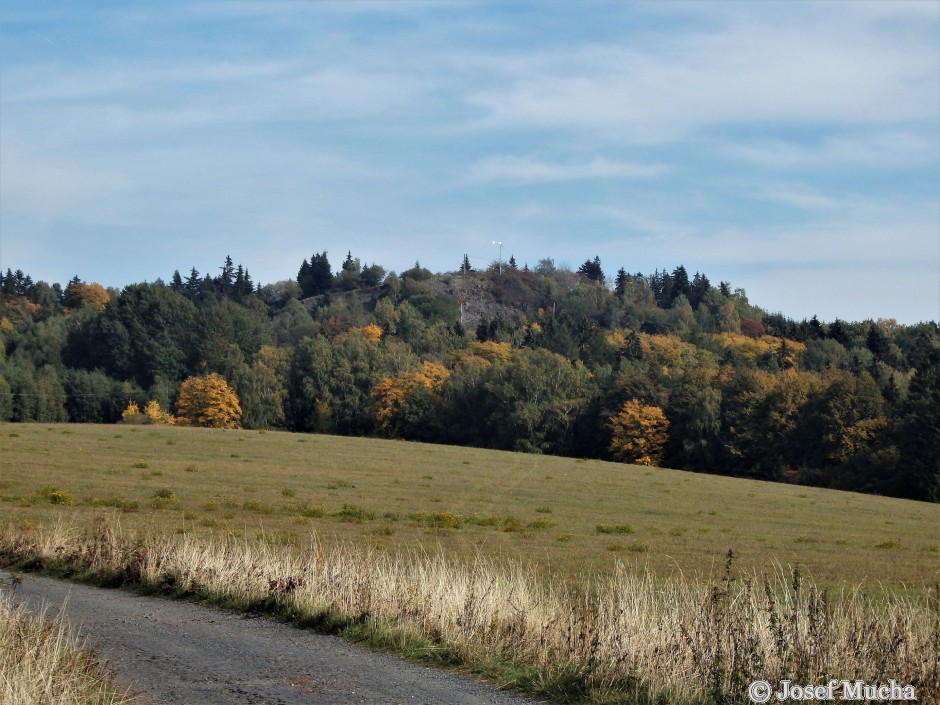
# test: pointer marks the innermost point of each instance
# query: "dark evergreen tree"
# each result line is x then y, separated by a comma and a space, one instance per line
662, 285
8, 287
697, 290
176, 282
321, 274
680, 284
225, 282
877, 342
921, 348
592, 269
814, 329
192, 285
465, 267
512, 263
315, 277
620, 282
919, 433
304, 279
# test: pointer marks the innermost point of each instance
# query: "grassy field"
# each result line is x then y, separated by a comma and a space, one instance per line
568, 517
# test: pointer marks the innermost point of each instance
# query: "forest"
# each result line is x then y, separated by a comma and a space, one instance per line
661, 369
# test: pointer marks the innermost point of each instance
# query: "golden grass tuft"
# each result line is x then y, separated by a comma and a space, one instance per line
40, 663
631, 635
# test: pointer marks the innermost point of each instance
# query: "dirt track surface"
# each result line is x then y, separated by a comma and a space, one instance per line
182, 653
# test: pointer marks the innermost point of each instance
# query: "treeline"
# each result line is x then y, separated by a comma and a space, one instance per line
660, 369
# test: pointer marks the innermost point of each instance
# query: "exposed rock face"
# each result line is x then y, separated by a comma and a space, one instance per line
475, 294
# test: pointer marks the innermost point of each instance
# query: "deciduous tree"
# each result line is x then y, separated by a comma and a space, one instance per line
208, 401
638, 434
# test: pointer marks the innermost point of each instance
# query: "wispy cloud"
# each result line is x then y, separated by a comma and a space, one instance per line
881, 149
730, 74
528, 170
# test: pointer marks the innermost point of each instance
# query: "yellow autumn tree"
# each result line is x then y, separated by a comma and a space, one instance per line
208, 401
638, 434
81, 295
487, 353
390, 397
131, 413
157, 415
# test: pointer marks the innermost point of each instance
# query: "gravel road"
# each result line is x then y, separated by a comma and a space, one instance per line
182, 653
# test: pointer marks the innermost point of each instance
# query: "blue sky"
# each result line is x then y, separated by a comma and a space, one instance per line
790, 148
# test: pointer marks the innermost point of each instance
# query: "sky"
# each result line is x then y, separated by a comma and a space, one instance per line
789, 148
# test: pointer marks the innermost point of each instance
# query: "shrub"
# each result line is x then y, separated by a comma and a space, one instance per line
53, 495
351, 512
614, 529
302, 509
438, 520
540, 524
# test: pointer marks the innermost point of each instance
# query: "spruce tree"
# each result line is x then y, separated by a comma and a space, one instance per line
592, 269
620, 282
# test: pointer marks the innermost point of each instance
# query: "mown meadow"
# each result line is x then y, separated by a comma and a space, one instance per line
567, 516
573, 580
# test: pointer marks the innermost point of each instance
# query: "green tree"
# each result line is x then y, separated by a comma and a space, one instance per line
263, 398
919, 433
308, 405
147, 332
694, 414
93, 397
6, 399
225, 323
534, 400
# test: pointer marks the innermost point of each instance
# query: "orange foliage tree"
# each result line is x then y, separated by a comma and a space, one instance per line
391, 396
487, 353
81, 295
638, 434
208, 401
371, 333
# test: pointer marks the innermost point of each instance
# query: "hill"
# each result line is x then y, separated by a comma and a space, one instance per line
661, 369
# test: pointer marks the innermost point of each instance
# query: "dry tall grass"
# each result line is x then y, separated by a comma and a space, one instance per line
40, 663
631, 637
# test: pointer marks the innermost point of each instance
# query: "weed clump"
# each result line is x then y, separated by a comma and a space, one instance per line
540, 523
125, 505
889, 544
438, 520
614, 529
352, 513
303, 509
51, 494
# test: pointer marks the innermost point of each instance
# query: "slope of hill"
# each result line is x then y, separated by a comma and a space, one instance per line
664, 369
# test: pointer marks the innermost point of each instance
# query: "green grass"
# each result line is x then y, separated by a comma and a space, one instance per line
341, 488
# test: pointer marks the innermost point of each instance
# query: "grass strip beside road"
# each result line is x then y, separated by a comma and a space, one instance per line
634, 638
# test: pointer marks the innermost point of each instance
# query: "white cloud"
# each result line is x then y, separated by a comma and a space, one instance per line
747, 72
526, 170
882, 149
